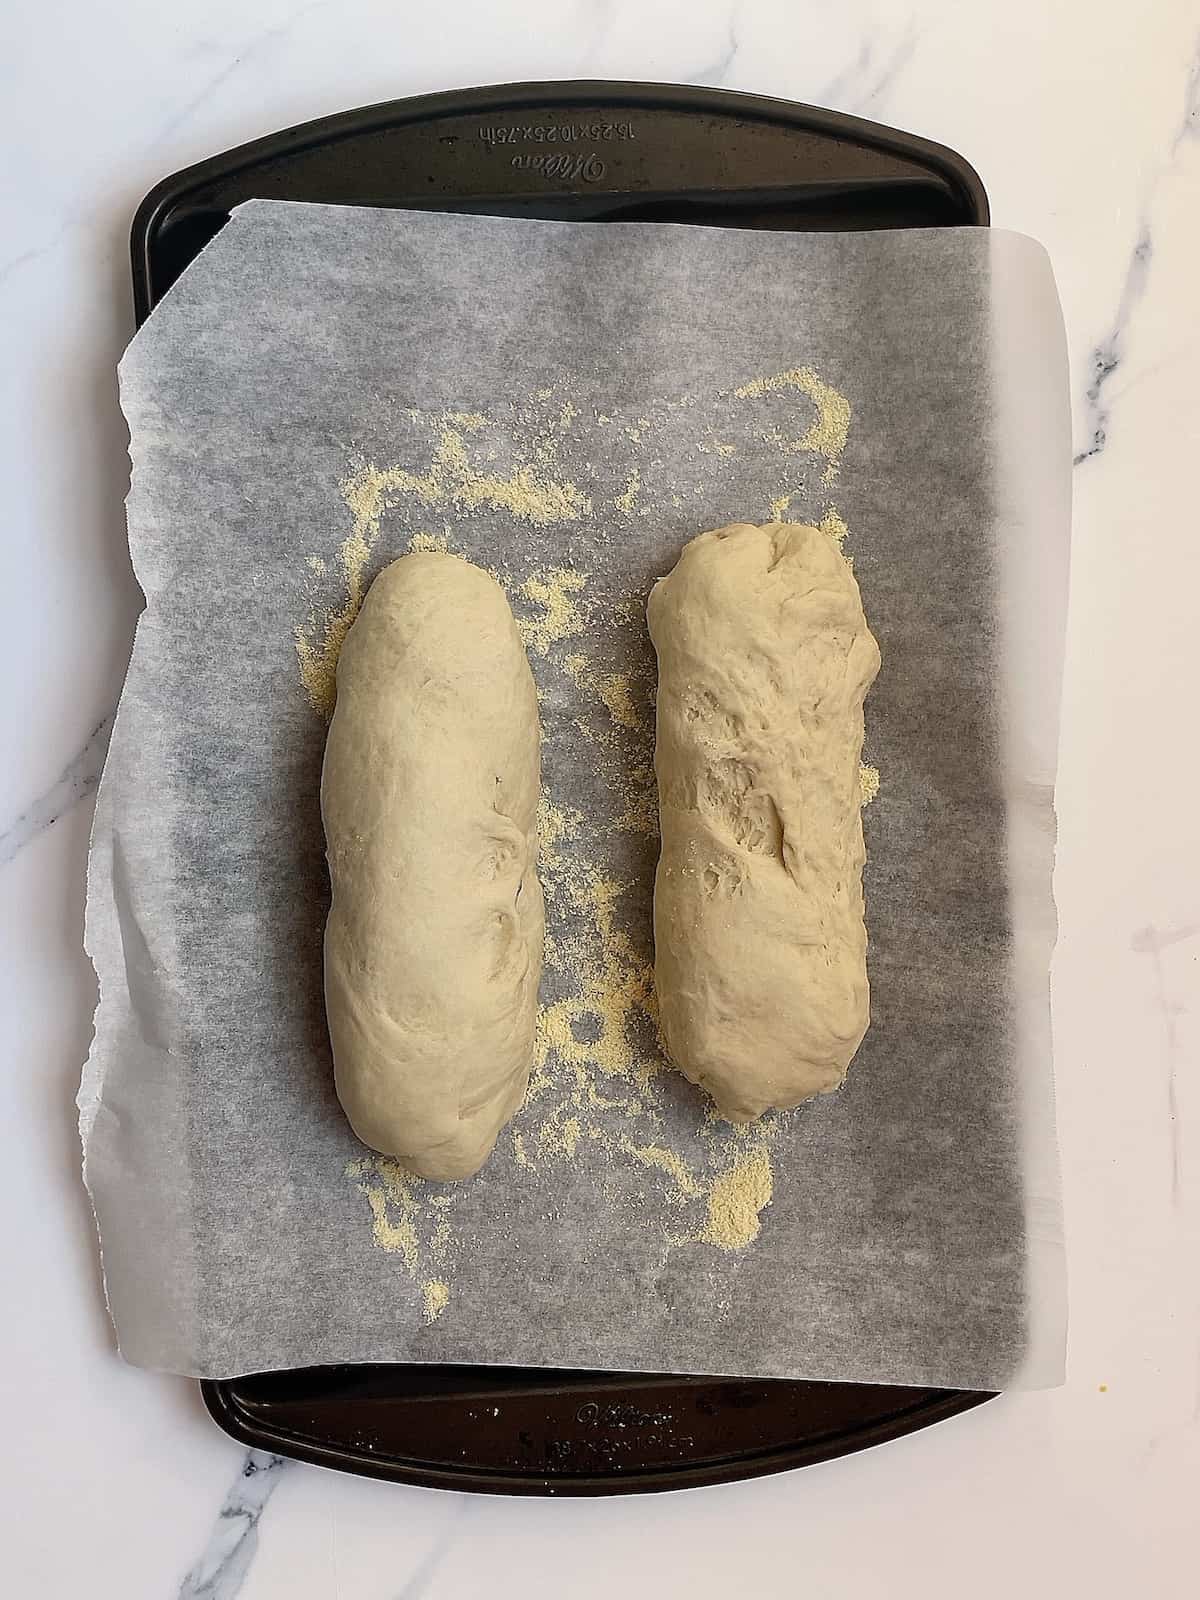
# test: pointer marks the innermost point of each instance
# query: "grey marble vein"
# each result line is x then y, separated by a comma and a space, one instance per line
15, 263
79, 778
417, 1586
715, 72
872, 72
225, 1560
1152, 941
596, 31
248, 51
1107, 356
1189, 125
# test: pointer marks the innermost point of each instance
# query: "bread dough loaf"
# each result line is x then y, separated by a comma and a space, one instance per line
429, 796
764, 658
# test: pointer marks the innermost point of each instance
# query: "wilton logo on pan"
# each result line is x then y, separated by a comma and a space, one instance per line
573, 165
563, 164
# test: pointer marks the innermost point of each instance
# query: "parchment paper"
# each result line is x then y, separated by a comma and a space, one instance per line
567, 404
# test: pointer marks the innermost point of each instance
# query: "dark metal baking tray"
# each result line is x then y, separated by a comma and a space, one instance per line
599, 152
518, 1430
585, 152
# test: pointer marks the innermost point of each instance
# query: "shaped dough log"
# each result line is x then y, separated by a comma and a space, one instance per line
429, 795
764, 658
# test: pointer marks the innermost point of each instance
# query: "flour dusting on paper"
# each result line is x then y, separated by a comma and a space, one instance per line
598, 1054
568, 405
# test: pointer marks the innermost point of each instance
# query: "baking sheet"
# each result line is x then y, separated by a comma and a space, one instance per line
327, 388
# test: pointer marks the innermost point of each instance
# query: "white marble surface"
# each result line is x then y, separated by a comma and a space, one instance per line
1084, 122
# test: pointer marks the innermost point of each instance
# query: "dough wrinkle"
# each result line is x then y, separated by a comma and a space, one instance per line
764, 661
433, 948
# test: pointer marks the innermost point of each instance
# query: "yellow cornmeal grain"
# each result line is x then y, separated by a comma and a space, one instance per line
391, 1195
668, 1161
631, 608
830, 427
736, 1200
615, 991
595, 1083
439, 1245
436, 1295
554, 824
778, 506
430, 543
599, 1102
524, 495
619, 983
453, 479
561, 614
640, 793
615, 690
868, 778
832, 524
560, 1138
320, 643
602, 1028
765, 1128
626, 502
629, 700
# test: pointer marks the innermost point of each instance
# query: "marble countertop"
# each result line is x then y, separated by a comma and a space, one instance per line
1085, 126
